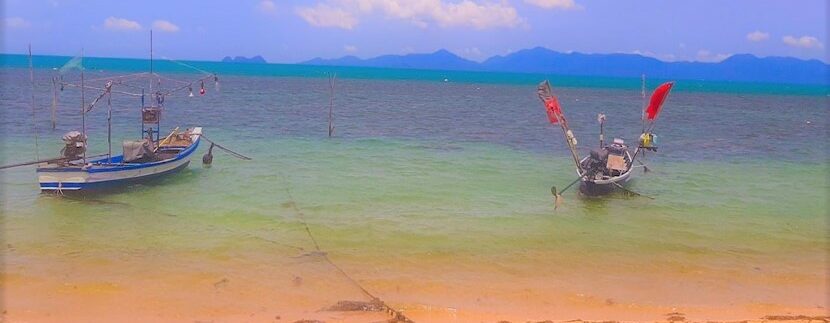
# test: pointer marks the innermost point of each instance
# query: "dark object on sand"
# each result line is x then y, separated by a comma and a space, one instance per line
356, 306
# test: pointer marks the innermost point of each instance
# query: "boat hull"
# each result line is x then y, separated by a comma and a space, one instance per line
605, 186
593, 189
101, 176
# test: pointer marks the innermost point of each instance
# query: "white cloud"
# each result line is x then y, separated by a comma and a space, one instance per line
704, 55
350, 48
16, 23
662, 57
643, 53
472, 53
479, 16
554, 4
323, 15
267, 7
802, 42
757, 36
165, 26
113, 23
466, 13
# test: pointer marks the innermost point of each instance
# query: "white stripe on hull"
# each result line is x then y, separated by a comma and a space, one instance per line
80, 178
83, 177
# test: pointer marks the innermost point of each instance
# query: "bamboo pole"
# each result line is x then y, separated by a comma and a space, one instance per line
34, 116
109, 126
168, 137
54, 102
332, 80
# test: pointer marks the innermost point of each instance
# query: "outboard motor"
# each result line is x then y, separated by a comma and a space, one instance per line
595, 164
74, 145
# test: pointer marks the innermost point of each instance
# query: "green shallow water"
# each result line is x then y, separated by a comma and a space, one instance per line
404, 201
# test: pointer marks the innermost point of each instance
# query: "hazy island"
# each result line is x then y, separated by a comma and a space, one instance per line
242, 59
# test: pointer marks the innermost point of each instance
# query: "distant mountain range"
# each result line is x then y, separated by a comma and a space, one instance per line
440, 60
740, 68
241, 59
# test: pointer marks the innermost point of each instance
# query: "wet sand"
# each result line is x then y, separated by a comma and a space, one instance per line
61, 284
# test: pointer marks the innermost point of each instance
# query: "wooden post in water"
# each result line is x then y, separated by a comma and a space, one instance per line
332, 80
54, 102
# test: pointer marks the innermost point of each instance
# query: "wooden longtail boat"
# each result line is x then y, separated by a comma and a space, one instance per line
609, 168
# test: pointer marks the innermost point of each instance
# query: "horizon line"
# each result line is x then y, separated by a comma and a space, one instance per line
433, 52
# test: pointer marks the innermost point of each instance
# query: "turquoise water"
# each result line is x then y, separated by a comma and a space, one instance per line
438, 194
291, 70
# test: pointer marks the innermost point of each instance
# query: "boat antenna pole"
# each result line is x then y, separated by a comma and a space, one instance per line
83, 108
152, 102
34, 119
601, 119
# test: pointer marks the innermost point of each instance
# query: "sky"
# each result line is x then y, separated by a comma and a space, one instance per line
291, 31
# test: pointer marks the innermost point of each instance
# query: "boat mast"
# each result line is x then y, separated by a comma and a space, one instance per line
83, 108
109, 122
34, 119
642, 117
643, 95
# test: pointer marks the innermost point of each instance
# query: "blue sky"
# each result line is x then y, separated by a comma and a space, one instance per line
291, 31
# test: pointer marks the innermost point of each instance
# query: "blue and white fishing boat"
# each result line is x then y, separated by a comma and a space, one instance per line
140, 162
148, 158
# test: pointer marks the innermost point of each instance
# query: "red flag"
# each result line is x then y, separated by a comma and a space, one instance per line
553, 109
657, 99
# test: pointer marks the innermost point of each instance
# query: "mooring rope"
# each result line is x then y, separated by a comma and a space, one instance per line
231, 152
397, 315
186, 65
120, 77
